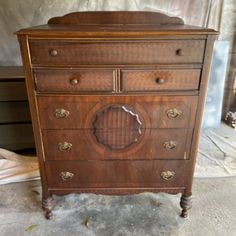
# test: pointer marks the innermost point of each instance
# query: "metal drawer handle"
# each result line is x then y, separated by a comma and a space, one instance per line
160, 81
170, 145
173, 113
74, 81
167, 175
61, 113
53, 52
65, 146
179, 52
66, 175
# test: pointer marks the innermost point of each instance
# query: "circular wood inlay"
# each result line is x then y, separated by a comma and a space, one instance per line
117, 127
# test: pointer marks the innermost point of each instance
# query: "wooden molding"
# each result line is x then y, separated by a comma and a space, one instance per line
116, 17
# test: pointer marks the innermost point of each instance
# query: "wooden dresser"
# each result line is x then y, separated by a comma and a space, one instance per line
16, 132
116, 100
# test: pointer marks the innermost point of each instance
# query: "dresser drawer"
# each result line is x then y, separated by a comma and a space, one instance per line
75, 112
74, 80
154, 80
117, 174
116, 144
72, 52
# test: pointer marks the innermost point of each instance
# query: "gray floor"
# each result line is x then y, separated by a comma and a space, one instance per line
213, 212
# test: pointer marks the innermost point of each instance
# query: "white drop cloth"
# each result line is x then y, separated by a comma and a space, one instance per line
17, 168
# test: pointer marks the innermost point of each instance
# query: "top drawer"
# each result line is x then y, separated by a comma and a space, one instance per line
73, 52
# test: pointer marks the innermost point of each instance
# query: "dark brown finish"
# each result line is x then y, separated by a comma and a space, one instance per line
118, 135
15, 123
119, 17
74, 80
154, 80
11, 73
116, 102
154, 111
120, 174
139, 52
16, 136
186, 204
151, 144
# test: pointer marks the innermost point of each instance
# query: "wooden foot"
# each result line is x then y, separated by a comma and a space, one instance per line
186, 204
47, 205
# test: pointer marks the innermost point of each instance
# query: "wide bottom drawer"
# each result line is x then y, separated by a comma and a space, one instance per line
117, 174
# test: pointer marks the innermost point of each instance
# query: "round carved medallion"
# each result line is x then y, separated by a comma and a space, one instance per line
117, 127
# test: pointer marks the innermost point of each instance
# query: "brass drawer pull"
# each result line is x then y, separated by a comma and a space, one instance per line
53, 52
61, 113
173, 113
170, 145
66, 175
179, 52
160, 81
74, 81
167, 175
65, 146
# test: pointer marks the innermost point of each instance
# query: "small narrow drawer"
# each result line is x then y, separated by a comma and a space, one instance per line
154, 80
117, 174
69, 81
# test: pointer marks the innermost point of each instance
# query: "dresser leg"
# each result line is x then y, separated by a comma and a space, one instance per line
47, 205
186, 204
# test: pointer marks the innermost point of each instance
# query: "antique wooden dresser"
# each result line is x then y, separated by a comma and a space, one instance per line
116, 100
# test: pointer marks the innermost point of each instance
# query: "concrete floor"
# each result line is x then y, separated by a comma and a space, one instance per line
213, 212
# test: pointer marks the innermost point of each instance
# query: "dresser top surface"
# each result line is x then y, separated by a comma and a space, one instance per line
114, 24
114, 30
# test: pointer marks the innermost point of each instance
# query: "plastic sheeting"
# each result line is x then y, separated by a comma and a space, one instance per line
17, 168
217, 153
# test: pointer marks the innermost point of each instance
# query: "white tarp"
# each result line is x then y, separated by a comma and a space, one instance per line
17, 168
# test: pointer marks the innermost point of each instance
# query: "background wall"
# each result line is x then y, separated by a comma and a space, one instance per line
217, 14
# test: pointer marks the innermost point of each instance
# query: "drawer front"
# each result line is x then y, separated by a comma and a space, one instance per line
16, 136
117, 174
154, 80
15, 111
56, 52
113, 144
13, 91
74, 80
75, 112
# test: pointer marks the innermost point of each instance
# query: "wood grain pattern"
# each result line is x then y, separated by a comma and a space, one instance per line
152, 110
116, 174
63, 80
118, 17
112, 53
153, 80
149, 146
117, 127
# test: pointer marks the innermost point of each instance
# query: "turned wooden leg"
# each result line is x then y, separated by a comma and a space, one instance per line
186, 204
47, 205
